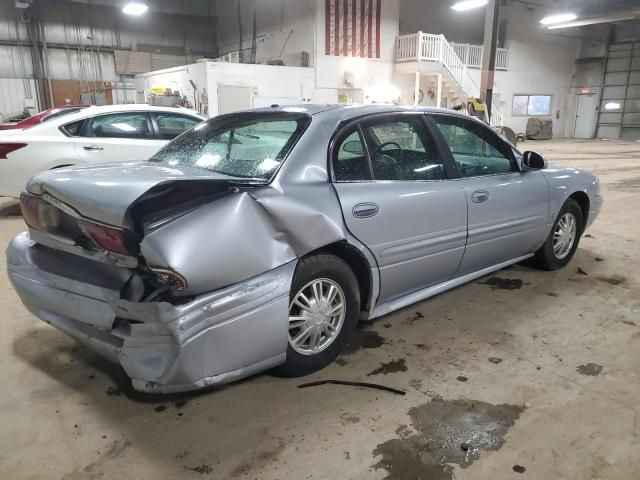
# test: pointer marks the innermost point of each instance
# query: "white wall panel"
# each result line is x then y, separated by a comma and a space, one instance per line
13, 91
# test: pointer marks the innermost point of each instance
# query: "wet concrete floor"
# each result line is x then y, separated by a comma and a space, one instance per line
561, 403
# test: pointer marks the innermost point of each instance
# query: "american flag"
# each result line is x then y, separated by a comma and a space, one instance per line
352, 28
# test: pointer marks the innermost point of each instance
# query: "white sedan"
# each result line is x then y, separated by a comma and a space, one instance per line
110, 133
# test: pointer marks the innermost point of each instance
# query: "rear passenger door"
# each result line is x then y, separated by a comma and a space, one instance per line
396, 199
169, 125
117, 137
508, 207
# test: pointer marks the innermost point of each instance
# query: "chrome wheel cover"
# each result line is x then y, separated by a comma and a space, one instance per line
316, 316
564, 236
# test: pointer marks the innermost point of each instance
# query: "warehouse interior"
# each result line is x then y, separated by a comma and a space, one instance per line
517, 374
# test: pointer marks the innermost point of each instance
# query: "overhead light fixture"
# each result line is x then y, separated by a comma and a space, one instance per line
558, 18
469, 5
612, 106
134, 8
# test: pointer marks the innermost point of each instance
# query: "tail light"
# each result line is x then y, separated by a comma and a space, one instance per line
7, 148
109, 238
38, 214
43, 216
172, 279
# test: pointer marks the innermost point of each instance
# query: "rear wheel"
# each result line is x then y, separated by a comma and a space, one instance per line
562, 242
323, 313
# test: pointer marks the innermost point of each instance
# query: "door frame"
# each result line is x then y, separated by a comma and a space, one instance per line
430, 129
596, 97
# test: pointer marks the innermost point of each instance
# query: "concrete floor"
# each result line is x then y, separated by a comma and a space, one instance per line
562, 403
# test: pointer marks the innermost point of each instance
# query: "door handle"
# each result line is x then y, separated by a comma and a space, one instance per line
480, 196
365, 210
93, 148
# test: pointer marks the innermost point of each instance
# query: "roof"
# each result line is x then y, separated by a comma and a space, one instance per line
346, 112
136, 106
51, 127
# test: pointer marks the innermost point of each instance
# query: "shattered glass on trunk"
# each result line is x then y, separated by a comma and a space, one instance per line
449, 432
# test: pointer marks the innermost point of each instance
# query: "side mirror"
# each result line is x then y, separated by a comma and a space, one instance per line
354, 146
533, 161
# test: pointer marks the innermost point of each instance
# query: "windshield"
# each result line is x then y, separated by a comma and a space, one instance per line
245, 145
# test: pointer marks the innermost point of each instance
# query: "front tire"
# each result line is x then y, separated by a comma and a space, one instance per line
324, 304
562, 242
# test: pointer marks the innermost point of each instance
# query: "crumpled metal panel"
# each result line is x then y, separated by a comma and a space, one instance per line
216, 337
244, 234
104, 192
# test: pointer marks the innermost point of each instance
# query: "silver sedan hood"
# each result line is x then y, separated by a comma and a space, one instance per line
105, 192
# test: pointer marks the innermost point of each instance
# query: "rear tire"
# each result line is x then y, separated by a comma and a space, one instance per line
324, 305
562, 242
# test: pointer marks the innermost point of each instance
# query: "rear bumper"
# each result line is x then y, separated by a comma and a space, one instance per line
215, 338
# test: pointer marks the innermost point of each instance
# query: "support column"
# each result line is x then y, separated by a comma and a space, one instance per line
489, 51
439, 91
416, 89
32, 29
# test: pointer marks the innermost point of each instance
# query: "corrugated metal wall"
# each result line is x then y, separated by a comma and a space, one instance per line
619, 114
82, 35
13, 91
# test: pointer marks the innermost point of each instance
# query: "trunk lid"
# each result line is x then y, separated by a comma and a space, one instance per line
106, 193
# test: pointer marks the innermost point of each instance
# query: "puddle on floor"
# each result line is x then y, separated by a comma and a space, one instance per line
449, 432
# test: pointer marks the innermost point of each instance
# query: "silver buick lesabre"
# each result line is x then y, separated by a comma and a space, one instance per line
259, 239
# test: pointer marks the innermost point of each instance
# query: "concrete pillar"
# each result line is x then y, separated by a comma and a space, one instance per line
439, 91
416, 90
490, 49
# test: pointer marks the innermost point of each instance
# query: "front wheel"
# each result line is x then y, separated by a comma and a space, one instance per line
323, 313
562, 242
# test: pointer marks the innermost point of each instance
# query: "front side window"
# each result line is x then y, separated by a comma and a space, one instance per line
351, 163
531, 105
119, 125
402, 150
476, 150
170, 125
238, 145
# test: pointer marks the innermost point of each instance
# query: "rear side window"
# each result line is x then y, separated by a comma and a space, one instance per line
73, 128
171, 125
351, 163
119, 125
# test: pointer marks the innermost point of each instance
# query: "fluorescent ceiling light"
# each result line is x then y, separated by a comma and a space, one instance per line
134, 8
559, 18
469, 4
612, 106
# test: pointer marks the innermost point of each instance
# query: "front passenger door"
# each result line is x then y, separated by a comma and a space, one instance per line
396, 199
508, 207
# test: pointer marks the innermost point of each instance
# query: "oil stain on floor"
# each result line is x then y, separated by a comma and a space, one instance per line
393, 366
498, 283
449, 432
363, 339
590, 369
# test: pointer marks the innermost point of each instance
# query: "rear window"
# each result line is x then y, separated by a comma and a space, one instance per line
238, 145
61, 113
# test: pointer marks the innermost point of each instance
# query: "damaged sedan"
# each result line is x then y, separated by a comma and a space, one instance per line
259, 239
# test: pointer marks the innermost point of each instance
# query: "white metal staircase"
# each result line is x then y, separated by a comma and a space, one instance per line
426, 47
